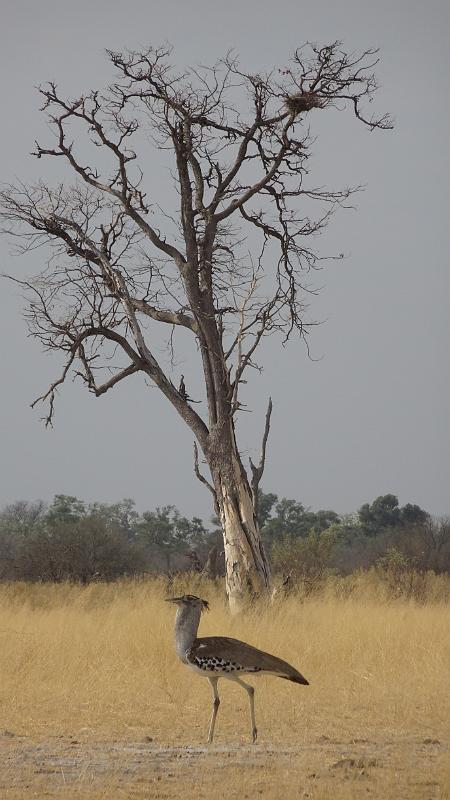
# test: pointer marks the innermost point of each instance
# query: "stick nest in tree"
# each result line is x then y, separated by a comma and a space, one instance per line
302, 101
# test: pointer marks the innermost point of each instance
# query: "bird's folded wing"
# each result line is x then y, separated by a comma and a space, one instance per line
245, 655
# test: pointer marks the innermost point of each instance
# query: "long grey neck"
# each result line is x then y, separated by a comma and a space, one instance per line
186, 626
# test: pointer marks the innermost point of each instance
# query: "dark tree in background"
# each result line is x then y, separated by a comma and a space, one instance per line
121, 268
68, 540
171, 533
385, 512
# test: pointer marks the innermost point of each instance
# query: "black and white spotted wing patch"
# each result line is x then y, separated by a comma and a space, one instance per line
218, 665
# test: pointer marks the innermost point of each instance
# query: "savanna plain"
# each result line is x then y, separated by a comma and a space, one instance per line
94, 703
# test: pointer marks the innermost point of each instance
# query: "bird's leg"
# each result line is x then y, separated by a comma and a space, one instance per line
251, 696
216, 704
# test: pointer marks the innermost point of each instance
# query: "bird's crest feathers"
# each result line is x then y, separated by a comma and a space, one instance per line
189, 600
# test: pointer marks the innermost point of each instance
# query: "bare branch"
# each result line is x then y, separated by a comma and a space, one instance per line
87, 111
257, 471
51, 393
202, 478
161, 315
238, 202
119, 376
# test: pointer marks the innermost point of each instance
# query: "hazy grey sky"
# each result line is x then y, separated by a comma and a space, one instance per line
370, 416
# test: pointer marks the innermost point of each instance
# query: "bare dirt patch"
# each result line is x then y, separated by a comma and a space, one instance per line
65, 767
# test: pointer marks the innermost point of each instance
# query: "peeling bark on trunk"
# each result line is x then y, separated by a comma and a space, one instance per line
247, 572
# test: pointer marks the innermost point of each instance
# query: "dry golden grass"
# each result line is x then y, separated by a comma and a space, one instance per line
94, 703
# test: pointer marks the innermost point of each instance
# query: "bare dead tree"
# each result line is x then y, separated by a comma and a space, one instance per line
120, 268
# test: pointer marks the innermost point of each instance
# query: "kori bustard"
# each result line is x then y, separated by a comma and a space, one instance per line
217, 657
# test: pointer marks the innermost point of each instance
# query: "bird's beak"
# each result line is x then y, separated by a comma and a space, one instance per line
173, 599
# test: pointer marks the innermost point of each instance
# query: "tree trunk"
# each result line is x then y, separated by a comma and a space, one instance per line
247, 572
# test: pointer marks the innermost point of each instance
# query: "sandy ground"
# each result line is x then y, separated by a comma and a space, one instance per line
64, 767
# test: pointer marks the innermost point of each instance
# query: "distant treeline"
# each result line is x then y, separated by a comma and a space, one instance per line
71, 540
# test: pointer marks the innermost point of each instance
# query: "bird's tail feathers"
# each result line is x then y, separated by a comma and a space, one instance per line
297, 679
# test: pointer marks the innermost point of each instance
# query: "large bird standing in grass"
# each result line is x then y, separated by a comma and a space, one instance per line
217, 657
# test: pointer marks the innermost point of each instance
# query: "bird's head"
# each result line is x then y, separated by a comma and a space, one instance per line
189, 600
